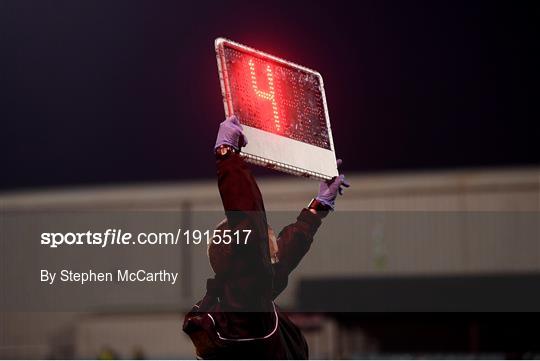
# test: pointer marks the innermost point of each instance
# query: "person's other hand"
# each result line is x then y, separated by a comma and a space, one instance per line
231, 133
329, 190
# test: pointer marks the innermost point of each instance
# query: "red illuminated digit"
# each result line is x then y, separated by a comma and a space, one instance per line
270, 94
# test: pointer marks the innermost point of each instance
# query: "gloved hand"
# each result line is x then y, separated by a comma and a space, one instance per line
329, 190
231, 133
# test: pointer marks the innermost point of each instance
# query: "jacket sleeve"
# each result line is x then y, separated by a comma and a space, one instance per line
244, 207
237, 187
294, 242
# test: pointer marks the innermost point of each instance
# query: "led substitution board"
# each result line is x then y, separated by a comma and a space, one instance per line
282, 108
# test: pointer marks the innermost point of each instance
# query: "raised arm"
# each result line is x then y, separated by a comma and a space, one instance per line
293, 242
295, 239
243, 205
241, 197
238, 188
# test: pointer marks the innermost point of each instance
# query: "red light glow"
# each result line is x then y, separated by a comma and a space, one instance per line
270, 95
274, 95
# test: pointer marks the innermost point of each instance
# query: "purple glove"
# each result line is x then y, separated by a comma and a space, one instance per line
230, 133
329, 190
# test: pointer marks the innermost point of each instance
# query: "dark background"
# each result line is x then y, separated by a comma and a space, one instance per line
98, 92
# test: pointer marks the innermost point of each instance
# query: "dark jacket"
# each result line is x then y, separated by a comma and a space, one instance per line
237, 318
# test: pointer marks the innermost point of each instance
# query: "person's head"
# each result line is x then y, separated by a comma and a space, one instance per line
220, 254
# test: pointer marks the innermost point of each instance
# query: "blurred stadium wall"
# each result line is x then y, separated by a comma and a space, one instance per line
156, 333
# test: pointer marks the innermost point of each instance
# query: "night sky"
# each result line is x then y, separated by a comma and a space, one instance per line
109, 92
